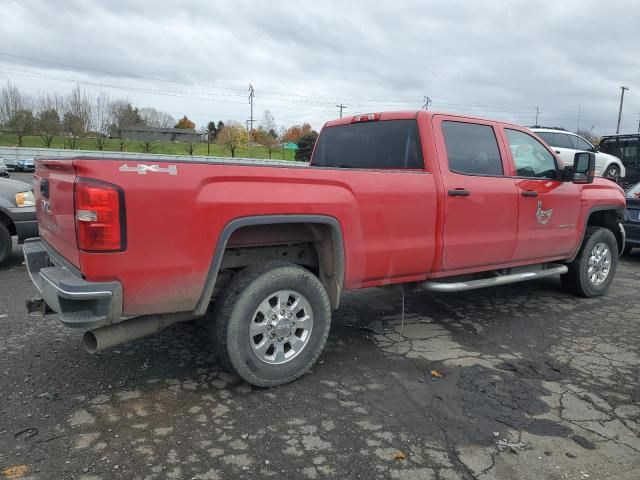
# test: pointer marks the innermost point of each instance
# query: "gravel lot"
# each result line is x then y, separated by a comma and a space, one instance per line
518, 382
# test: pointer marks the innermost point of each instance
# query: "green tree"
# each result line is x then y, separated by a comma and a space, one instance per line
305, 146
48, 126
211, 131
232, 136
266, 138
22, 124
73, 126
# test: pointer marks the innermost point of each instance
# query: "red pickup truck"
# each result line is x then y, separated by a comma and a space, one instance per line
262, 250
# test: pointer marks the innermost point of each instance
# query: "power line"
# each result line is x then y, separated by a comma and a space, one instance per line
341, 106
158, 79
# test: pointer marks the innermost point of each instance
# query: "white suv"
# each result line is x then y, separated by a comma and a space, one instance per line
566, 144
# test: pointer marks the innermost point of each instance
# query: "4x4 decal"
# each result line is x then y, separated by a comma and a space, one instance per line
142, 169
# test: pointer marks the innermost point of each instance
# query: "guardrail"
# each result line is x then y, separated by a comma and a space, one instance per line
13, 154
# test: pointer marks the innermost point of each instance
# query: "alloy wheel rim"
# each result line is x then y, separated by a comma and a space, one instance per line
281, 327
599, 263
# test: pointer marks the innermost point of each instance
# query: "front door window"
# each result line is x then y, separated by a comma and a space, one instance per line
531, 158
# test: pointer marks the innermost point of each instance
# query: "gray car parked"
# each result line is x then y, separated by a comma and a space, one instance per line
4, 171
17, 215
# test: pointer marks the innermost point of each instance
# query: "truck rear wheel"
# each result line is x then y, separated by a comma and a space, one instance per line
271, 323
592, 271
5, 243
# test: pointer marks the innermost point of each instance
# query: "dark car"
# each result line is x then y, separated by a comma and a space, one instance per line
17, 215
11, 164
4, 171
26, 165
627, 148
632, 218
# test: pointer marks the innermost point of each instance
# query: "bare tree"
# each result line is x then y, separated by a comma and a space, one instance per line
148, 146
266, 134
101, 119
155, 118
588, 134
190, 147
11, 101
122, 142
76, 120
16, 112
79, 105
166, 120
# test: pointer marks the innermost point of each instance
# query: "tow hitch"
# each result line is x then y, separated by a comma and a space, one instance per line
37, 304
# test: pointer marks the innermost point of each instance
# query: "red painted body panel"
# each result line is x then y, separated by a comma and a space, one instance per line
397, 226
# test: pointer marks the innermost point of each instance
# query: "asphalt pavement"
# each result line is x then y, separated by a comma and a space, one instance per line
516, 382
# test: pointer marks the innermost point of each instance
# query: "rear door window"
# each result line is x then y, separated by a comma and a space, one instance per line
562, 140
389, 144
583, 144
547, 137
472, 148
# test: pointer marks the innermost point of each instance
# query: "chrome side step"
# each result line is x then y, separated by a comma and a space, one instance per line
493, 281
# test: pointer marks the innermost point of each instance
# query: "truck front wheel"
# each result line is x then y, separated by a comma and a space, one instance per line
271, 323
592, 271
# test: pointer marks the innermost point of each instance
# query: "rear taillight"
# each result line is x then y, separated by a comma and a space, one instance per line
100, 217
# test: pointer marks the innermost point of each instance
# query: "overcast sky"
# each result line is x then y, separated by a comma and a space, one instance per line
497, 59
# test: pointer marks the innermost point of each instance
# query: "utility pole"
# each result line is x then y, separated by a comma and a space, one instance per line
427, 103
537, 113
620, 111
251, 95
578, 117
341, 107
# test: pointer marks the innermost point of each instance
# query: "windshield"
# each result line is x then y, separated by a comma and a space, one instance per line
633, 192
390, 144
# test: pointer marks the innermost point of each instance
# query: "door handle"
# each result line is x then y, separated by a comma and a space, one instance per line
459, 192
529, 193
557, 151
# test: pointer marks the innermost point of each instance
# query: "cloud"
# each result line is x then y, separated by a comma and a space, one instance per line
498, 59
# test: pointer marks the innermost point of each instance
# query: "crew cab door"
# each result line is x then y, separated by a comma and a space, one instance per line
548, 208
480, 201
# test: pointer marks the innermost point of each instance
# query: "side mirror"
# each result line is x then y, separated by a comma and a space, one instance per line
584, 167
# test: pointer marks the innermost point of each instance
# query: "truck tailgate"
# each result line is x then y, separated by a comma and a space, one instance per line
53, 185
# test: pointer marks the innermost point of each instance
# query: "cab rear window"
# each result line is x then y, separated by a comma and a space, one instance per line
388, 144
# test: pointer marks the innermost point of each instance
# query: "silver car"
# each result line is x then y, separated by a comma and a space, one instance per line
567, 144
4, 171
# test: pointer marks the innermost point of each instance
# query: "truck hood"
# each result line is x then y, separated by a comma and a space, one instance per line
11, 187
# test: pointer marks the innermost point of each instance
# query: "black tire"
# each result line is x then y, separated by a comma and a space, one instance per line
577, 280
612, 172
627, 249
6, 243
234, 312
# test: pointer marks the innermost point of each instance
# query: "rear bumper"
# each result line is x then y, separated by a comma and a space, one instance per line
78, 303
